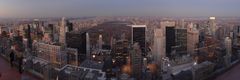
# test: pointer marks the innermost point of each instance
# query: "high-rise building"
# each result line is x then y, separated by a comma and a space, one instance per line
77, 40
170, 40
88, 46
238, 35
212, 25
181, 41
167, 35
120, 52
29, 39
236, 32
136, 61
158, 46
69, 26
192, 38
181, 23
62, 38
238, 39
100, 42
0, 30
228, 45
51, 31
139, 36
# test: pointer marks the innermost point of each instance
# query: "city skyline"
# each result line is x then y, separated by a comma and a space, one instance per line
81, 8
119, 39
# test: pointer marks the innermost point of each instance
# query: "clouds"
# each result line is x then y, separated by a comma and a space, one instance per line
55, 8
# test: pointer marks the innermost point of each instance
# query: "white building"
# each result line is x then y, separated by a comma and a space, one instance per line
228, 45
158, 46
212, 25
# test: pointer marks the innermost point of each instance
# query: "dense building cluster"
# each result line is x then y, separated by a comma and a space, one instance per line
123, 48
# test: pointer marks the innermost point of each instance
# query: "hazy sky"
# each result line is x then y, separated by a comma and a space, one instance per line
79, 8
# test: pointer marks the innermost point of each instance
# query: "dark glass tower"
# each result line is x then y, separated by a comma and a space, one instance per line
77, 40
170, 40
139, 36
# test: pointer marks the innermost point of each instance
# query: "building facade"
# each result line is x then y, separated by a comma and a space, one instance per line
212, 25
158, 46
192, 38
136, 61
139, 36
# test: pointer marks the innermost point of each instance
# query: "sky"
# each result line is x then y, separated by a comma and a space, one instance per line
81, 8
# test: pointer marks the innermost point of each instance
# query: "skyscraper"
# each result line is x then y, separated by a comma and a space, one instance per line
88, 46
212, 25
192, 38
69, 26
136, 61
228, 45
62, 38
29, 37
169, 35
77, 40
0, 30
181, 23
236, 31
139, 36
170, 40
100, 42
158, 46
181, 41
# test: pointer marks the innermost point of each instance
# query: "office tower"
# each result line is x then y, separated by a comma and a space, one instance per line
62, 37
170, 40
202, 36
220, 33
170, 35
192, 38
139, 36
237, 35
228, 45
181, 24
36, 24
236, 31
51, 31
38, 29
100, 42
69, 26
88, 46
238, 39
77, 40
136, 61
0, 30
212, 25
181, 41
29, 39
120, 52
158, 46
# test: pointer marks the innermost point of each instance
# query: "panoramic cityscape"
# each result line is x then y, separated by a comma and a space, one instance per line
119, 40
